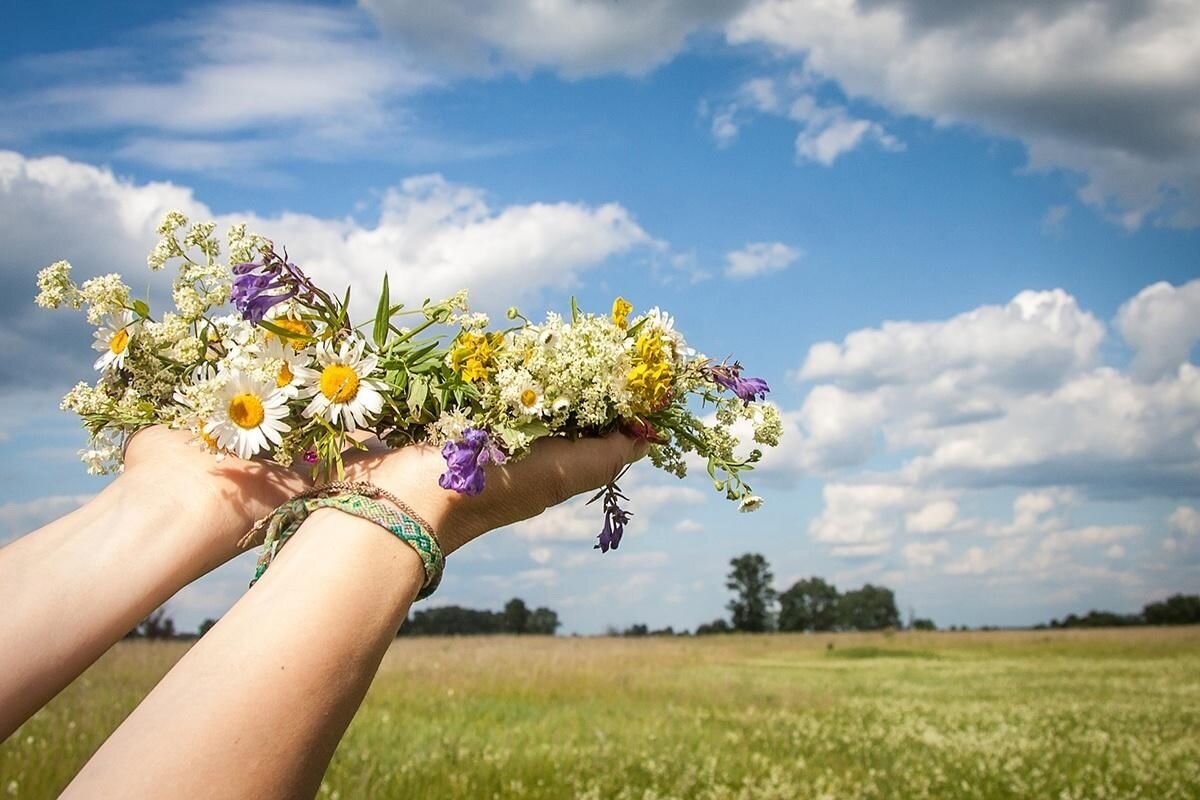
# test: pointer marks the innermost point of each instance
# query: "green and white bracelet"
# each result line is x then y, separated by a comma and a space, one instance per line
358, 498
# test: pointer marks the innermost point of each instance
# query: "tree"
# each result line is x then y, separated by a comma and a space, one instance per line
206, 626
516, 616
923, 624
750, 579
810, 605
870, 608
543, 621
157, 626
1178, 609
716, 626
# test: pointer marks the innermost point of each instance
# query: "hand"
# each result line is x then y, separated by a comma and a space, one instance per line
554, 470
229, 495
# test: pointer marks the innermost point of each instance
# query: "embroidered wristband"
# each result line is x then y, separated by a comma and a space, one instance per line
359, 499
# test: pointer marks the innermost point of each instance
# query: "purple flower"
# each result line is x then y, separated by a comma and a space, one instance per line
730, 377
258, 285
615, 519
465, 460
310, 456
256, 288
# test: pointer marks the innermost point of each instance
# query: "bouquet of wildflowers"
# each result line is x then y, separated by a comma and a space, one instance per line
288, 375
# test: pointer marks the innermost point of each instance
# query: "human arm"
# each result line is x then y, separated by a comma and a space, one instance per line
74, 587
256, 707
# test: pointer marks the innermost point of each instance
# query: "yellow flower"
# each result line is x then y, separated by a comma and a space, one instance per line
650, 378
620, 312
473, 354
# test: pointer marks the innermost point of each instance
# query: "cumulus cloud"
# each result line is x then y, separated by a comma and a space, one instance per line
575, 38
1102, 87
1162, 324
760, 258
923, 429
432, 236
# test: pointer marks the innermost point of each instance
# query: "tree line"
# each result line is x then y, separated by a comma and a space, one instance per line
1178, 609
811, 604
515, 617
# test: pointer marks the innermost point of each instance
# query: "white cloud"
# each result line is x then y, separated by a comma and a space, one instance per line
573, 37
924, 554
19, 518
760, 258
826, 130
1185, 520
1051, 548
432, 236
859, 550
859, 514
1184, 525
688, 525
541, 554
236, 85
935, 517
1162, 324
979, 560
1036, 339
913, 423
575, 520
1102, 87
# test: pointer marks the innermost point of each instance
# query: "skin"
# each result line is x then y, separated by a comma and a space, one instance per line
272, 687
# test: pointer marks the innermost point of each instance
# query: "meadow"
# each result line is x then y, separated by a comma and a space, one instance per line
1062, 714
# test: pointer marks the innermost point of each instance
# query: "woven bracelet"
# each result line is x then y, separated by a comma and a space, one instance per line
357, 498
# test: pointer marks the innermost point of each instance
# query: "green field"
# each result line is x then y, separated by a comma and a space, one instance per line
1025, 714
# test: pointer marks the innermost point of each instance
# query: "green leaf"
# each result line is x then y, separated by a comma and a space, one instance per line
418, 391
574, 310
534, 430
141, 308
382, 315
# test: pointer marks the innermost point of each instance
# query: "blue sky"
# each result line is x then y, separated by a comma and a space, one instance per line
970, 278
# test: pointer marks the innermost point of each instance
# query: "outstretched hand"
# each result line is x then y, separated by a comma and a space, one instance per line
554, 470
230, 494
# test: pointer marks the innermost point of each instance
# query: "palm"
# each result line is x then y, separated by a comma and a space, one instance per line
243, 491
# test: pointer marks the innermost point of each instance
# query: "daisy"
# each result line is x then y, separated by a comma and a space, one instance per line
250, 414
530, 401
750, 503
342, 388
112, 340
292, 364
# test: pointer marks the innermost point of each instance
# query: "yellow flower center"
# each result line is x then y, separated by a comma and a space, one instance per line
339, 383
528, 398
207, 439
118, 342
285, 376
246, 410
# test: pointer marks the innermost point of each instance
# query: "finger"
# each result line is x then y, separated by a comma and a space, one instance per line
562, 468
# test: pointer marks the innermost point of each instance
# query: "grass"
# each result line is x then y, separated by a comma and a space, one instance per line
1065, 714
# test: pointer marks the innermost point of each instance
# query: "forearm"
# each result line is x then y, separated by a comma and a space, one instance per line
258, 705
76, 586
